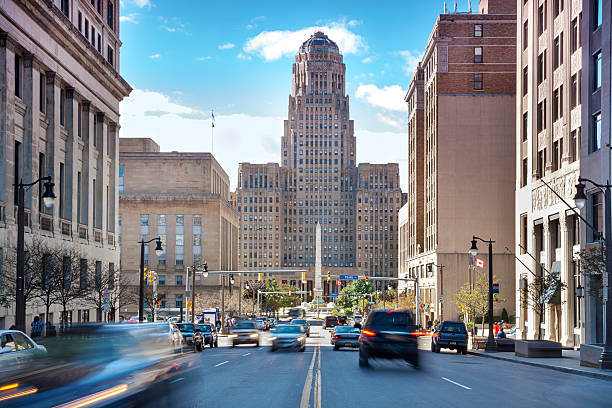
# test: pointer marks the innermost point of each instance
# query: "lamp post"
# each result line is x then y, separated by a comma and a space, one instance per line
491, 345
48, 198
204, 273
158, 251
580, 199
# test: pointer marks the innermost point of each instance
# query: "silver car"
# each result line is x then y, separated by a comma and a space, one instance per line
288, 336
16, 348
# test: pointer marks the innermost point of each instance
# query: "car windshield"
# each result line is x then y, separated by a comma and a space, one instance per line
453, 327
331, 319
346, 329
261, 319
205, 327
299, 321
391, 321
288, 329
244, 324
186, 327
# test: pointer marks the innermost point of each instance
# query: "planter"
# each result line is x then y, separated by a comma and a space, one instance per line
590, 354
537, 349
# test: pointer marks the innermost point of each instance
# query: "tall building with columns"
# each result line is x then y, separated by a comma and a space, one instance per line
59, 115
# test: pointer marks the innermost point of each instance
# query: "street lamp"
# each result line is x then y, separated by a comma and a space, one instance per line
48, 198
580, 199
490, 345
158, 251
579, 292
204, 273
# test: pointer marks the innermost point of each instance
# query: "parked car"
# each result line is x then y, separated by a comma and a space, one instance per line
191, 335
272, 322
389, 335
288, 336
16, 348
304, 324
133, 319
209, 334
345, 336
330, 322
451, 335
245, 332
262, 323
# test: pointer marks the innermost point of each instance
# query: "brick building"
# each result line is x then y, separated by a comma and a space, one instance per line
461, 102
59, 110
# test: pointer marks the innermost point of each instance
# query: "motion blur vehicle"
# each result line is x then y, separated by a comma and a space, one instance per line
451, 335
389, 334
17, 348
262, 323
304, 324
245, 332
297, 313
209, 334
357, 319
288, 336
342, 320
345, 336
191, 335
272, 322
99, 365
330, 322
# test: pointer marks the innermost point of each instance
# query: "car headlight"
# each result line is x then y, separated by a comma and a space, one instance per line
233, 335
300, 338
273, 338
253, 335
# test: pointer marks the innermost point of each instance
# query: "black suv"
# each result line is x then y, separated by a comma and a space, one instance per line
389, 335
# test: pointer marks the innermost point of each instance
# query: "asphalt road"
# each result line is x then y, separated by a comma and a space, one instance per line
247, 376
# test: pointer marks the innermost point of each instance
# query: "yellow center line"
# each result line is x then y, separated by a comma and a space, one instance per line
305, 402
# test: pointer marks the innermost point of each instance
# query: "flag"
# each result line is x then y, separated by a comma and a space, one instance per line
480, 263
212, 118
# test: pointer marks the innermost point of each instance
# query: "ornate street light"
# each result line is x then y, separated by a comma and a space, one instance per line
491, 345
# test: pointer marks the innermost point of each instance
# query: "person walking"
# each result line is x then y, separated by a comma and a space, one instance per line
37, 327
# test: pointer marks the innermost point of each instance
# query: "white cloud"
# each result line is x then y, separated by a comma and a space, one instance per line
367, 60
155, 56
227, 46
272, 45
389, 97
353, 23
207, 57
243, 57
142, 3
388, 120
411, 60
130, 18
370, 149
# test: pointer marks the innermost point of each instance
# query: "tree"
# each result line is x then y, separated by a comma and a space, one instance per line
473, 300
593, 266
358, 287
250, 292
66, 261
541, 291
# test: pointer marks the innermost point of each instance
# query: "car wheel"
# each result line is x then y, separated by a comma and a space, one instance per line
233, 345
302, 349
336, 347
438, 349
257, 344
459, 351
464, 350
272, 349
199, 347
414, 361
363, 361
433, 347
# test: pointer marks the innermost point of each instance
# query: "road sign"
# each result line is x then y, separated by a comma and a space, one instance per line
349, 277
605, 279
106, 294
334, 295
496, 288
441, 298
106, 306
371, 303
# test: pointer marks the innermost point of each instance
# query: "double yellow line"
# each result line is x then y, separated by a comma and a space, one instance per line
305, 402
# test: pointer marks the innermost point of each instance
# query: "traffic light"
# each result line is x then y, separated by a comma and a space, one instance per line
259, 276
367, 280
205, 266
328, 276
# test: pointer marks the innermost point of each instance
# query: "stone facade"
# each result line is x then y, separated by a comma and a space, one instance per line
461, 171
317, 182
184, 199
59, 115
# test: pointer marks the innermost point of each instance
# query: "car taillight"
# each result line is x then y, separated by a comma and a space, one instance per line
368, 333
435, 335
336, 337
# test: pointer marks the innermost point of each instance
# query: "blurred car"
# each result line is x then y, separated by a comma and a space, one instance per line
288, 336
191, 335
133, 319
209, 334
262, 323
342, 320
304, 324
272, 322
330, 322
17, 348
174, 319
451, 335
389, 335
345, 336
357, 319
245, 332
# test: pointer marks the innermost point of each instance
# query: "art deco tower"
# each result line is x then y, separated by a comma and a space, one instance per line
318, 159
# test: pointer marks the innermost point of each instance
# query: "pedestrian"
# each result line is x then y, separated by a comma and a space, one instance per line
37, 327
501, 334
218, 324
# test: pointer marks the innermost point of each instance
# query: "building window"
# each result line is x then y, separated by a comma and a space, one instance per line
100, 43
86, 29
524, 173
596, 131
525, 34
121, 179
144, 225
575, 93
597, 71
574, 35
524, 234
178, 302
62, 187
525, 80
110, 14
525, 127
541, 67
541, 19
477, 30
557, 7
18, 75
596, 215
477, 54
558, 51
541, 169
597, 13
110, 55
62, 107
478, 81
65, 7
179, 280
180, 240
80, 22
556, 158
557, 108
541, 119
574, 145
161, 280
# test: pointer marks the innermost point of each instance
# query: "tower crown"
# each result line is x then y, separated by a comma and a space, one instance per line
319, 42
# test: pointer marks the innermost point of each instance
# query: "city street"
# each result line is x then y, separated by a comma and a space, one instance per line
322, 377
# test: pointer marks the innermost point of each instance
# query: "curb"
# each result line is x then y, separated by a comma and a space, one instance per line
550, 367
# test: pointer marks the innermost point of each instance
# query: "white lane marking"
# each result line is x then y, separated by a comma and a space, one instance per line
177, 380
225, 362
305, 401
244, 355
456, 383
318, 391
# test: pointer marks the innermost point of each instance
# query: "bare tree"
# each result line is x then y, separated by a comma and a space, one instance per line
121, 292
66, 261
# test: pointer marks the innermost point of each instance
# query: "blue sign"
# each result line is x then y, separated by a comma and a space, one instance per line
496, 288
333, 295
349, 277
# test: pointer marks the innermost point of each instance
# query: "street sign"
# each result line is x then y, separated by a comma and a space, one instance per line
349, 277
106, 294
371, 303
106, 306
496, 288
334, 295
605, 279
441, 298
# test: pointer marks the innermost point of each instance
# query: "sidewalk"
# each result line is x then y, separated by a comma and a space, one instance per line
569, 363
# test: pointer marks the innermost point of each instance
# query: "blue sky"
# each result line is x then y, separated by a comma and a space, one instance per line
185, 57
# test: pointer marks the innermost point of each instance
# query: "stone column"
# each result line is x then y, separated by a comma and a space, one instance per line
98, 198
3, 118
86, 160
548, 254
52, 130
69, 164
28, 125
112, 178
567, 298
532, 317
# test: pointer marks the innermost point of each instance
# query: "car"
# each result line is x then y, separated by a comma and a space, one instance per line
389, 334
342, 320
245, 332
191, 335
209, 334
287, 336
357, 319
330, 322
305, 325
16, 348
262, 323
345, 336
450, 334
272, 322
133, 319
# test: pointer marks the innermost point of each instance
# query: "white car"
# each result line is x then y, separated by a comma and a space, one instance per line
16, 348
